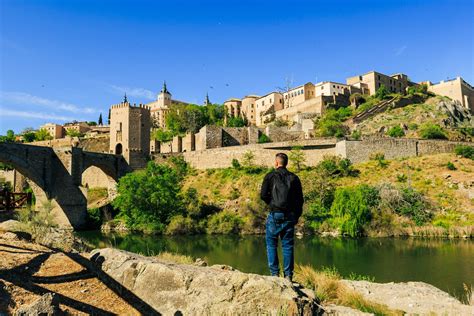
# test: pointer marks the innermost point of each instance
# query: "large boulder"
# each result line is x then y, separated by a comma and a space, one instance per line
414, 298
174, 289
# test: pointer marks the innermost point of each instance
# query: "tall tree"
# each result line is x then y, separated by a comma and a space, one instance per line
108, 120
100, 119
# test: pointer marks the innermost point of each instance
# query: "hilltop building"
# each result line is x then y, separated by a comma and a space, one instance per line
80, 127
456, 89
369, 82
161, 107
55, 130
130, 132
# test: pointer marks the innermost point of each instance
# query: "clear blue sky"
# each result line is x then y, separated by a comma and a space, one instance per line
64, 60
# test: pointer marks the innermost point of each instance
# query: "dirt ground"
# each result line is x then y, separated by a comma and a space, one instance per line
28, 270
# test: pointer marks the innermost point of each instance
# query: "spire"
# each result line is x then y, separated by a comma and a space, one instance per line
164, 89
125, 98
207, 102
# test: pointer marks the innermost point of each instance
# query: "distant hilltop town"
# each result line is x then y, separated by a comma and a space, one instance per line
129, 126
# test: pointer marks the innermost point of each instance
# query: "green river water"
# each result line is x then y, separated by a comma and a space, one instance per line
444, 263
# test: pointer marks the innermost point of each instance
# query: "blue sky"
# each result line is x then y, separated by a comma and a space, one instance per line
64, 60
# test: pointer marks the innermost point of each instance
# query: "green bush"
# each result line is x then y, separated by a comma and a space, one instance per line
464, 151
147, 199
382, 92
225, 222
334, 166
356, 135
279, 122
380, 158
330, 124
236, 164
179, 165
421, 88
413, 205
451, 166
432, 131
396, 131
180, 225
412, 126
236, 122
352, 206
263, 138
94, 218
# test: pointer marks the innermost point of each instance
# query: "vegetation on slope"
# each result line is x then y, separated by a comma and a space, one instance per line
417, 196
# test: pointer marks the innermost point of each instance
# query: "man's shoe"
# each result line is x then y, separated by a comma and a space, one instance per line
289, 278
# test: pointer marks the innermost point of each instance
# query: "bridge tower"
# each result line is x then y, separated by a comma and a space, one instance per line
130, 133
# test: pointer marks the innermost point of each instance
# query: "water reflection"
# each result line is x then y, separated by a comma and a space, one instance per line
447, 264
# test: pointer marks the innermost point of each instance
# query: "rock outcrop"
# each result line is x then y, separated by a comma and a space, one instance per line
44, 305
174, 289
414, 298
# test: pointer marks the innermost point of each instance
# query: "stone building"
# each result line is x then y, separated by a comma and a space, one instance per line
55, 130
268, 103
233, 107
456, 89
161, 107
369, 82
248, 108
130, 133
79, 127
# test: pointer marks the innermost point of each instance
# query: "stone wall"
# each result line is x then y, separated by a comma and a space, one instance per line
234, 136
264, 153
177, 144
359, 151
283, 134
166, 147
189, 142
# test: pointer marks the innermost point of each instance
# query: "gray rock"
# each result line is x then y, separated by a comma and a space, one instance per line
192, 290
414, 298
45, 305
10, 225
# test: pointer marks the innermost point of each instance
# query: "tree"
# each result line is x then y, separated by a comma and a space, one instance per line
162, 136
10, 137
73, 133
100, 120
382, 92
108, 118
42, 134
297, 157
248, 160
147, 199
92, 123
236, 121
29, 137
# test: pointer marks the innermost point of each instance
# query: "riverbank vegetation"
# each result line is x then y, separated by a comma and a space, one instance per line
419, 196
328, 288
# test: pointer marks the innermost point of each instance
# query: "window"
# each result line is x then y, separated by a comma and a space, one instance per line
302, 91
333, 85
378, 77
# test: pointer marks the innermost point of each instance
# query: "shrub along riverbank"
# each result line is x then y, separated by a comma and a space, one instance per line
422, 196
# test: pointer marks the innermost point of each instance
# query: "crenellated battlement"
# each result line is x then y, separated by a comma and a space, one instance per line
129, 105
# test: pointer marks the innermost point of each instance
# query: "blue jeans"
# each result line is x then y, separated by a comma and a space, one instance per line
280, 226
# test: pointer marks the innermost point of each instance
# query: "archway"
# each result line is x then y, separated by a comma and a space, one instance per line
100, 187
118, 149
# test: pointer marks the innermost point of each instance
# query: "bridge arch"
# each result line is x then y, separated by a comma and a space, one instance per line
35, 164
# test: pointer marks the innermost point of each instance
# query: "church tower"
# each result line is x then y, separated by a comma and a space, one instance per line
206, 101
164, 97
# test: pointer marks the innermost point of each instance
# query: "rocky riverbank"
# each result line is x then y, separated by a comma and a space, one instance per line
34, 277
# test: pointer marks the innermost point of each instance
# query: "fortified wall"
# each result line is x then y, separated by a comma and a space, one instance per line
316, 149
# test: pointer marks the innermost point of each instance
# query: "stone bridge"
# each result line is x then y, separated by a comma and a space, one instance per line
55, 174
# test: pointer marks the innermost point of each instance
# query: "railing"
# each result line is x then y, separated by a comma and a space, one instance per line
12, 200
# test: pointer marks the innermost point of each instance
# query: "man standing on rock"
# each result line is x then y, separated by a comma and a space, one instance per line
281, 190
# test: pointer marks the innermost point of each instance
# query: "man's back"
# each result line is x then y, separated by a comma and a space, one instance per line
295, 194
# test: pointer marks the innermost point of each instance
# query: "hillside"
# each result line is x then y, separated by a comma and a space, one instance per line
447, 196
449, 115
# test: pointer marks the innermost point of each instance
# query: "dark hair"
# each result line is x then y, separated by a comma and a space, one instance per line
282, 159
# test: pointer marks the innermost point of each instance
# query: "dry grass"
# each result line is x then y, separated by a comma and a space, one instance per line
469, 294
170, 257
329, 289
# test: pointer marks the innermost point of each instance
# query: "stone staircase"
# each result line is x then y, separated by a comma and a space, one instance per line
380, 107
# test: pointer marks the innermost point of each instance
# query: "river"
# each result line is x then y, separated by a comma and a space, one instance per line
444, 263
